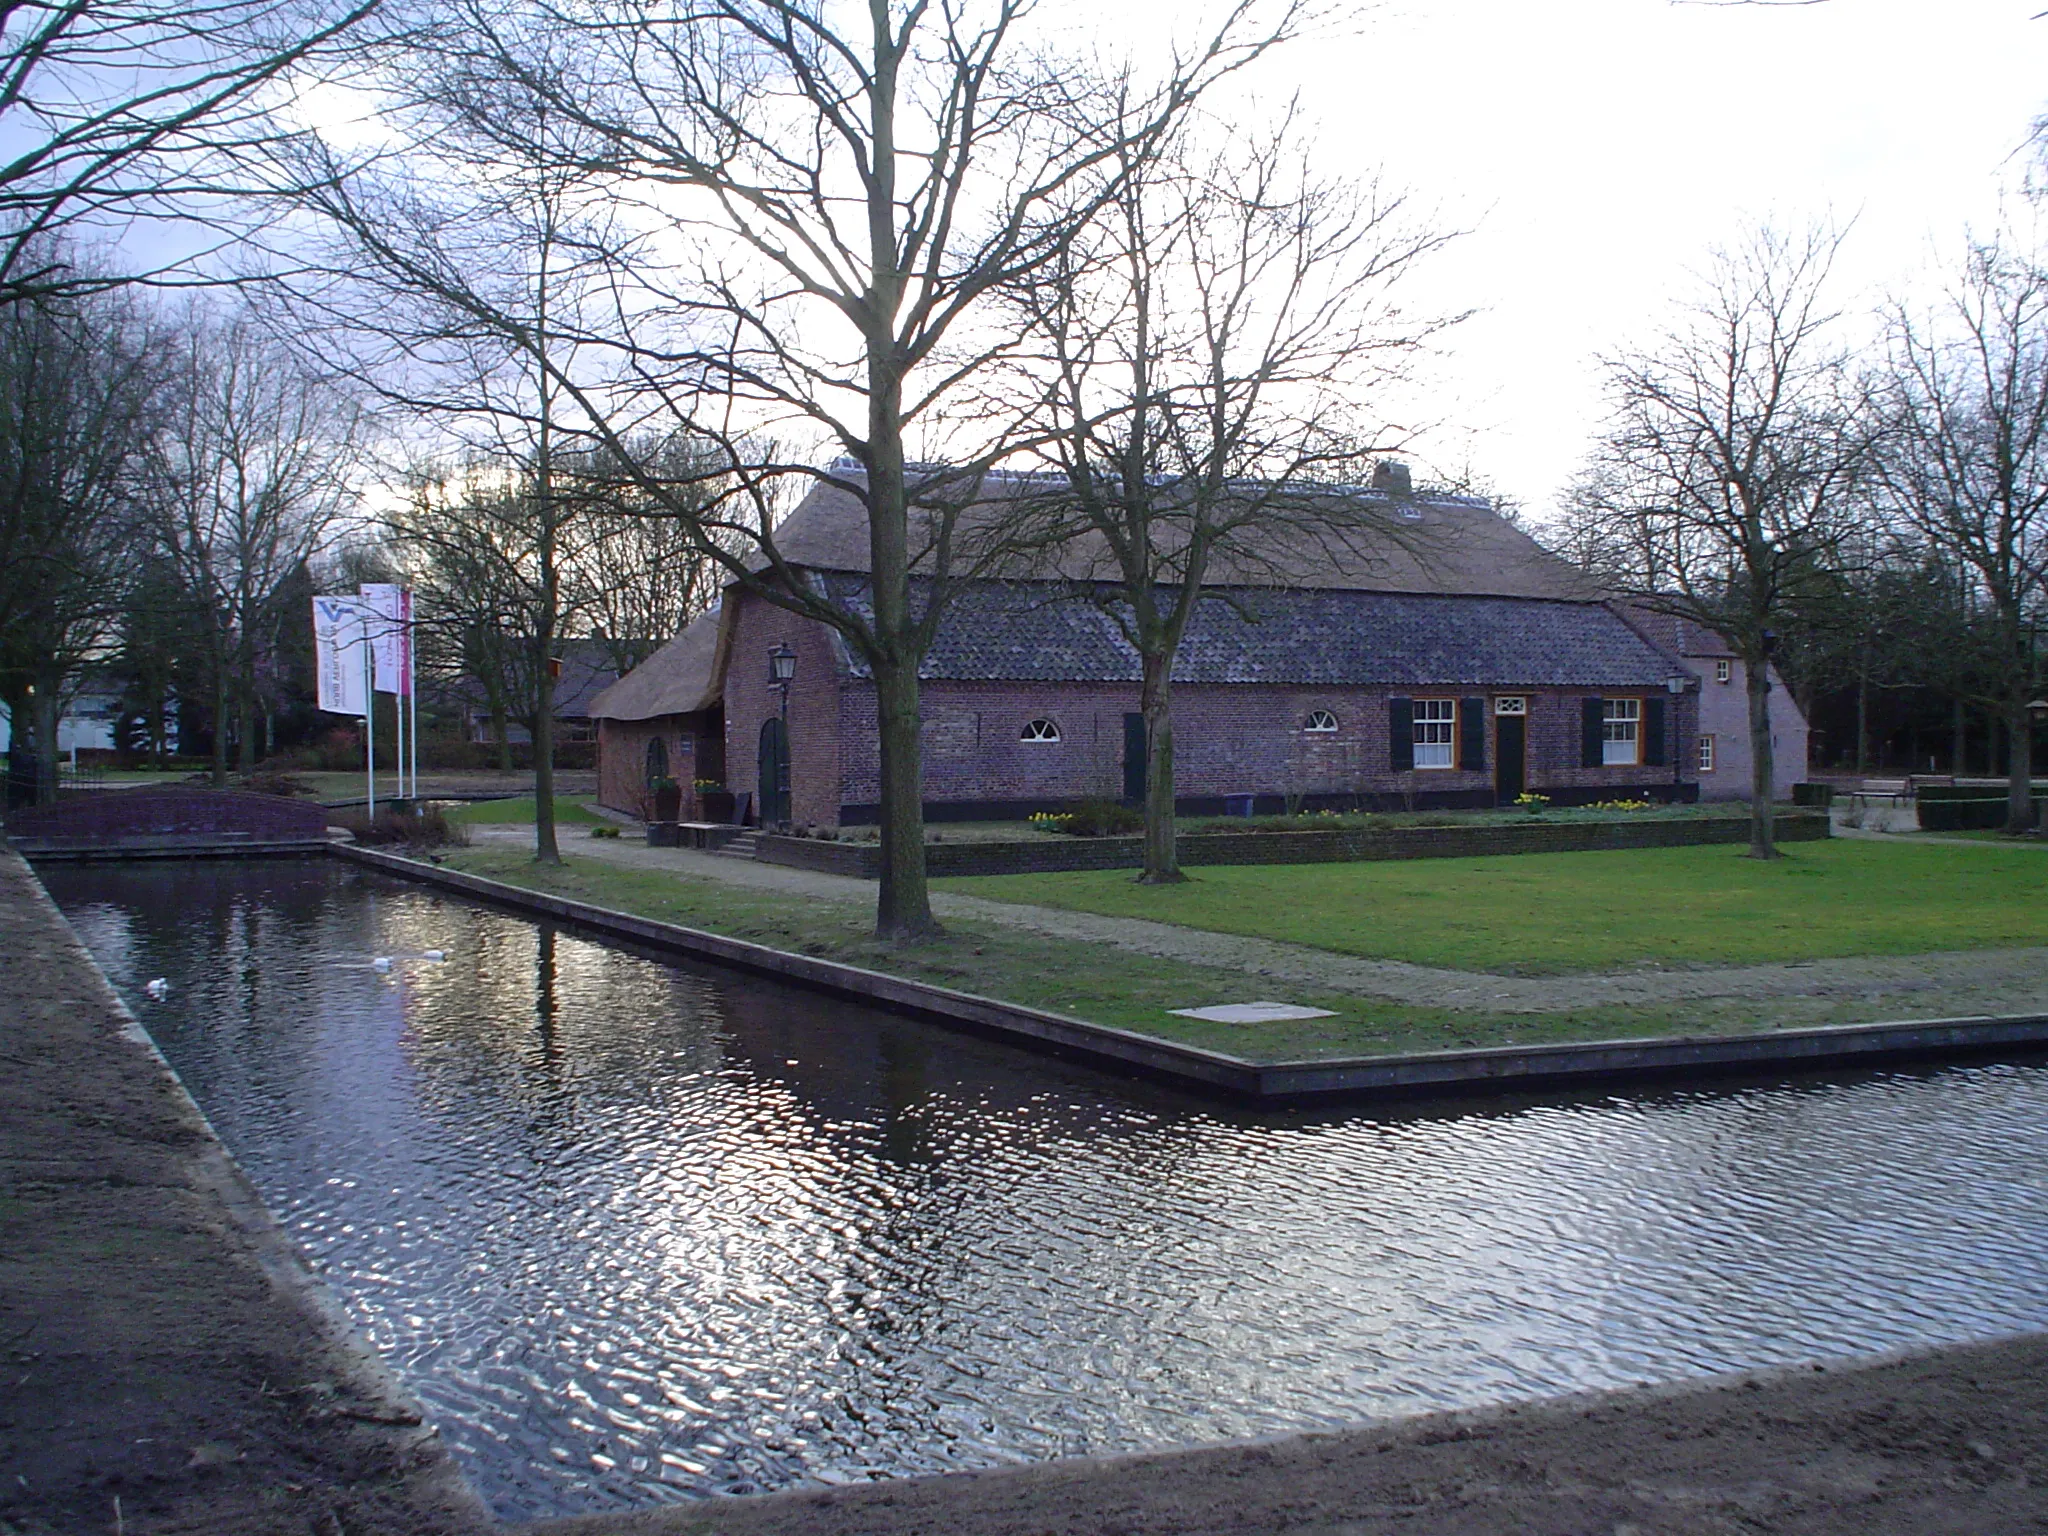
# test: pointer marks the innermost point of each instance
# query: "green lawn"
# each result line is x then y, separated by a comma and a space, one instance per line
519, 810
1106, 985
1549, 914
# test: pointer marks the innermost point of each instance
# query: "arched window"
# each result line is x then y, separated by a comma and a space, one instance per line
1039, 730
1320, 720
657, 759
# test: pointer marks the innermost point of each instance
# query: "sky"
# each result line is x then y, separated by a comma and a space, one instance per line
1598, 149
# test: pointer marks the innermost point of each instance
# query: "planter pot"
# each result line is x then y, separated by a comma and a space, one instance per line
718, 805
668, 803
664, 834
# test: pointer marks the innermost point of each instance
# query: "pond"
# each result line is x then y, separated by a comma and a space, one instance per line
636, 1232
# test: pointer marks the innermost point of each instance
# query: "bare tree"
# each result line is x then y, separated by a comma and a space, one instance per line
1207, 345
1721, 484
120, 109
75, 398
1965, 461
252, 465
821, 214
642, 573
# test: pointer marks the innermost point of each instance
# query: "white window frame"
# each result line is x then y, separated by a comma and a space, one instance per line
1513, 704
1322, 722
1724, 669
1703, 755
1621, 733
1031, 734
1435, 729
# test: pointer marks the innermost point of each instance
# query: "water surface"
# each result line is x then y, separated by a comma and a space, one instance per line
636, 1232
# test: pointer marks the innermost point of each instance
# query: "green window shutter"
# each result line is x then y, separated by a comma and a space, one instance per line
1472, 734
1401, 733
1592, 733
1653, 732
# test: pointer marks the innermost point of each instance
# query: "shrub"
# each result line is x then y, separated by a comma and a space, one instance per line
415, 827
268, 781
1620, 805
1096, 818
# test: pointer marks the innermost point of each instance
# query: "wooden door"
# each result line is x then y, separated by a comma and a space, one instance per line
1510, 758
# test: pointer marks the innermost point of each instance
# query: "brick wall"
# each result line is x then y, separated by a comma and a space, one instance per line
1045, 855
814, 708
1229, 740
622, 760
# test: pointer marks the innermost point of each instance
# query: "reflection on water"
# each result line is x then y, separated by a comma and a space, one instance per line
636, 1232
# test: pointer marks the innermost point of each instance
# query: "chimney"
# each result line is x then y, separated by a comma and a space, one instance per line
1391, 477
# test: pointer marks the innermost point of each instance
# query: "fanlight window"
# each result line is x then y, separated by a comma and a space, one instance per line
1321, 720
1039, 730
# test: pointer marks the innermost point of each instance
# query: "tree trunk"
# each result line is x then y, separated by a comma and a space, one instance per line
1162, 863
1959, 742
245, 731
903, 908
46, 742
501, 735
220, 729
1763, 842
544, 849
1862, 721
2019, 794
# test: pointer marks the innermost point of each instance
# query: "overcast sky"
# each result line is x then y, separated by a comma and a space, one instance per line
1600, 147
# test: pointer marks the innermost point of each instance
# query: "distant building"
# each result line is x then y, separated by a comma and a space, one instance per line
1720, 748
1457, 664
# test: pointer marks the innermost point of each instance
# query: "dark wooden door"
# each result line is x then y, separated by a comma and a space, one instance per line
1134, 759
774, 780
1510, 758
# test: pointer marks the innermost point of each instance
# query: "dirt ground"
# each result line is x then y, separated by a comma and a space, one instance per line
164, 1364
1933, 1445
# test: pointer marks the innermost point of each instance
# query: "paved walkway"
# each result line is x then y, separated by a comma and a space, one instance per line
1935, 985
168, 1364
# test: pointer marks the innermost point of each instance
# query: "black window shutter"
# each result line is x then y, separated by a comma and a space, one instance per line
1472, 734
1592, 733
1401, 733
1653, 732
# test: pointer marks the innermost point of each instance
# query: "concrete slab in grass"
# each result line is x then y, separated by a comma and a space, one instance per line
1252, 1013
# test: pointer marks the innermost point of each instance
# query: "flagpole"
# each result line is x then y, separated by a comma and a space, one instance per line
370, 723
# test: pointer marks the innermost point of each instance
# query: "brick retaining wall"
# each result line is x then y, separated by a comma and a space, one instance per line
1049, 854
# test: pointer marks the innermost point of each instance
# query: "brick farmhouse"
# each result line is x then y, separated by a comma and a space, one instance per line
1448, 661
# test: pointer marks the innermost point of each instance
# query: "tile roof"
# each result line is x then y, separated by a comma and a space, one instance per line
1026, 631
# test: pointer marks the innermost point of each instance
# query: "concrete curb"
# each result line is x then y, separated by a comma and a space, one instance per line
1489, 1071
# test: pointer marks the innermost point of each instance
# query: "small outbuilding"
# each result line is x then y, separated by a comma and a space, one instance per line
664, 723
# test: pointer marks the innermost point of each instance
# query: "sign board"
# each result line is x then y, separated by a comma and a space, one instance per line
388, 611
340, 642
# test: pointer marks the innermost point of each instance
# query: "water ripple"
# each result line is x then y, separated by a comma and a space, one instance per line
639, 1233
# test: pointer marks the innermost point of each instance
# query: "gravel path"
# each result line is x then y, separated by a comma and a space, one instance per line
1945, 985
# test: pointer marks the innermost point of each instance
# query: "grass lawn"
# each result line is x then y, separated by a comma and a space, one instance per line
1105, 985
1556, 913
520, 811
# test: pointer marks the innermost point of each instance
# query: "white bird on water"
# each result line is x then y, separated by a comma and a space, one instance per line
435, 954
158, 988
381, 963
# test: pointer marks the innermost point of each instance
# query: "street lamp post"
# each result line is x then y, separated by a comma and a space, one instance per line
781, 672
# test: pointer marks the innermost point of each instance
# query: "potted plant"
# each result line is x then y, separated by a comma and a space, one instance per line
667, 795
715, 800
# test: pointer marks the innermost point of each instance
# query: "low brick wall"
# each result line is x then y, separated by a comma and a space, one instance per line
1047, 854
145, 821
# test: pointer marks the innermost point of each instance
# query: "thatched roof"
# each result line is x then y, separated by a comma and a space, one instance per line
679, 679
1442, 545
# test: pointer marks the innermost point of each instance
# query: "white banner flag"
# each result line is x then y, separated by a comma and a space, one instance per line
340, 644
389, 611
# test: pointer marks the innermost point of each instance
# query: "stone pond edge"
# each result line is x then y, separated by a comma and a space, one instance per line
214, 1171
1486, 1070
